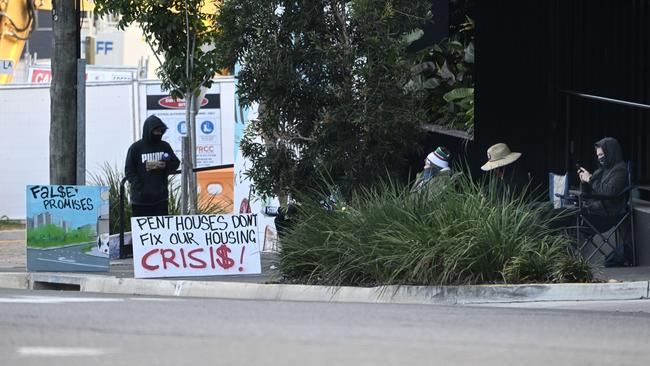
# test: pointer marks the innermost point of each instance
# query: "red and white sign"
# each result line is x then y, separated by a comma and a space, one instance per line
43, 75
197, 245
171, 111
171, 103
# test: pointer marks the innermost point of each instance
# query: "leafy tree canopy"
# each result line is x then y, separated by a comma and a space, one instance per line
330, 78
180, 30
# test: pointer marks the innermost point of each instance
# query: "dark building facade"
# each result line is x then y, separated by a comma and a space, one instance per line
532, 59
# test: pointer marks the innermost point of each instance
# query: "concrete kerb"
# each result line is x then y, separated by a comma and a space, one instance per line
479, 294
18, 281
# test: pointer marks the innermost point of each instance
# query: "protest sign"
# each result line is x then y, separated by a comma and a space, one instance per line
196, 245
67, 228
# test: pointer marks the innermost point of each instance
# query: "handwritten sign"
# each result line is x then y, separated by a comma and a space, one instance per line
67, 228
197, 245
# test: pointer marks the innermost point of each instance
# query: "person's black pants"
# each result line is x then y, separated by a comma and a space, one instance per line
158, 209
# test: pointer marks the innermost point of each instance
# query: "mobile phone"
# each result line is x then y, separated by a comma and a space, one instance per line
578, 167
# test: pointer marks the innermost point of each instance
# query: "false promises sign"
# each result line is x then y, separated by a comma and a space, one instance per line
67, 228
197, 245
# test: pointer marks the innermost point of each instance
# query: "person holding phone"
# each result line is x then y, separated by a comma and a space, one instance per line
609, 179
149, 162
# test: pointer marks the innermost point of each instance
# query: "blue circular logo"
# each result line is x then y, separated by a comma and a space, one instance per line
207, 127
182, 128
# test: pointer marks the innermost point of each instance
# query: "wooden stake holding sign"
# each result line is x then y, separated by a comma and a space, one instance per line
195, 245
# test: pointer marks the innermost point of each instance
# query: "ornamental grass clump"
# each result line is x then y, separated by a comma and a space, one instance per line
459, 231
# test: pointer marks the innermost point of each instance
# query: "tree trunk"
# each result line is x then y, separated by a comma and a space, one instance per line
186, 172
63, 95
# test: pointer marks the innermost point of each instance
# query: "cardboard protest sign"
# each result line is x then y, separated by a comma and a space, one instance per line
67, 228
197, 245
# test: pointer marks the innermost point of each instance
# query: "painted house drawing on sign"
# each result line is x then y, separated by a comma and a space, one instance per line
67, 228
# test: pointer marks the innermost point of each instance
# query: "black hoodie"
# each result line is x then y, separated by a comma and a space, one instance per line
609, 180
149, 187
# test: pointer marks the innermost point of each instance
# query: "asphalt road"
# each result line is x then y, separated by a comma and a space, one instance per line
69, 328
69, 258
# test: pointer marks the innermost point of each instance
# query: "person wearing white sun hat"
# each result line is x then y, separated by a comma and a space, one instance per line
500, 163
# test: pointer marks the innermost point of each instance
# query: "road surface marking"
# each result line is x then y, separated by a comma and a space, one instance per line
54, 299
62, 300
62, 351
153, 299
75, 264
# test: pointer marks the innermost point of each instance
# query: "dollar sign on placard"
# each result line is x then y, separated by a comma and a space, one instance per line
224, 262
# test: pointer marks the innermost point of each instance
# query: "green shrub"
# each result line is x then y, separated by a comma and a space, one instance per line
462, 232
111, 176
8, 224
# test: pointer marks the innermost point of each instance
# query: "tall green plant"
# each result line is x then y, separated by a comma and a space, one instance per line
111, 177
462, 232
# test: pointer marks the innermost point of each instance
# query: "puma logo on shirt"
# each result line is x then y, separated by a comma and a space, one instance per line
152, 156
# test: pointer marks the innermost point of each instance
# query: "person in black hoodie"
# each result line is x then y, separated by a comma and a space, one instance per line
610, 179
148, 163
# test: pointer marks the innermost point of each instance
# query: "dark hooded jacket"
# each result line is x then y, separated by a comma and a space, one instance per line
149, 187
609, 180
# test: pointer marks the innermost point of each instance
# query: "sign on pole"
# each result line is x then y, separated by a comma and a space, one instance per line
209, 144
195, 245
67, 228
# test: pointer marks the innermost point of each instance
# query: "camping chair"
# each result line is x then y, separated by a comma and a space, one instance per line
558, 189
597, 233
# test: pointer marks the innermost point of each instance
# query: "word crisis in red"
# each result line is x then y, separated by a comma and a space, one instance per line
198, 258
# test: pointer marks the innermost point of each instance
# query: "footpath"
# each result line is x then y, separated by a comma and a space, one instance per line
627, 283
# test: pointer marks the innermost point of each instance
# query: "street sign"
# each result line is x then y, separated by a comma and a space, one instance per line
6, 67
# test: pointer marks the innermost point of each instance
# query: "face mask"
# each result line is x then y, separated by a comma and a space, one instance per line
426, 173
603, 162
156, 138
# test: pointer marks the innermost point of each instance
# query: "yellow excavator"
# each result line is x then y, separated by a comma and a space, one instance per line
16, 21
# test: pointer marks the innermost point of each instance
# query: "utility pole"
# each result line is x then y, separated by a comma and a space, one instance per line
63, 95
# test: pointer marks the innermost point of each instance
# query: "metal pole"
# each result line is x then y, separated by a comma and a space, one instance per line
122, 225
78, 35
607, 100
184, 174
567, 134
81, 105
81, 122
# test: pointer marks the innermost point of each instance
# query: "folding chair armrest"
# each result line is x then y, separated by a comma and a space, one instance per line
567, 197
603, 197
